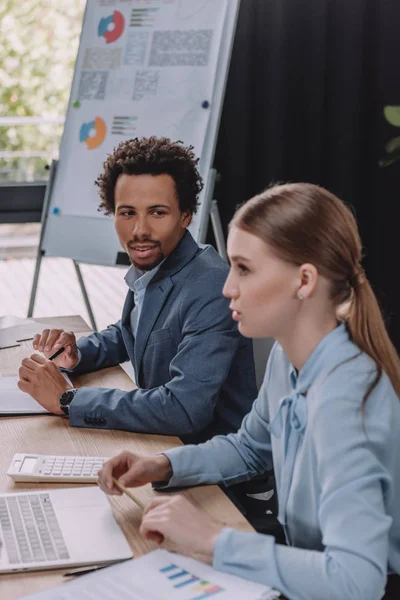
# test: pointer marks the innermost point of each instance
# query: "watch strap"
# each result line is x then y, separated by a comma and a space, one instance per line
66, 399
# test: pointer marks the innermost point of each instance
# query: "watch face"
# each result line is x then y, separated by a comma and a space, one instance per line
67, 397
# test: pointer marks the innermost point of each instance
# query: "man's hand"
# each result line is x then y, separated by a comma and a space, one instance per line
133, 471
43, 381
188, 529
51, 340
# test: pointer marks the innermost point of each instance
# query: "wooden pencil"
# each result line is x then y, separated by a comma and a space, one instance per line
125, 490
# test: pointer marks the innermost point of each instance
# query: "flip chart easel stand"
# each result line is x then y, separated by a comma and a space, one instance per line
41, 254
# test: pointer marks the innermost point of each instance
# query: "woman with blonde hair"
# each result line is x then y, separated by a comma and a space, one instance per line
327, 417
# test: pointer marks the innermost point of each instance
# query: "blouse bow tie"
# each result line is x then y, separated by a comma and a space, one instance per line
295, 423
296, 416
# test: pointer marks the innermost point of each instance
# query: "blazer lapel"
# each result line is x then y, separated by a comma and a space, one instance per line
127, 334
155, 297
157, 292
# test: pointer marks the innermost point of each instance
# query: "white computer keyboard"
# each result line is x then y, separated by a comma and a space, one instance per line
55, 469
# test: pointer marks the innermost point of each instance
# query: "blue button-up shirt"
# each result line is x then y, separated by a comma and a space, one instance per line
337, 473
137, 281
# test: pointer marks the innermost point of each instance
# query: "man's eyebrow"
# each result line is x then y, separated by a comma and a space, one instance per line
152, 206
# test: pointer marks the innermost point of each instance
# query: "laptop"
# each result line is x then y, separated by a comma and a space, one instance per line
50, 529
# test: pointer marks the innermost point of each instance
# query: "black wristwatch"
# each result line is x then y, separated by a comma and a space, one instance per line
66, 399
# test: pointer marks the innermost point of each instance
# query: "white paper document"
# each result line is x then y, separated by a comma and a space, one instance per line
25, 330
11, 321
160, 575
15, 402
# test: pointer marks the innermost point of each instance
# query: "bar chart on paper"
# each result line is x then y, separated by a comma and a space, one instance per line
195, 587
159, 575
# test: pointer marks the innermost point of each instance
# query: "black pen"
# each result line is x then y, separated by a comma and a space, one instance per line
60, 351
84, 571
94, 568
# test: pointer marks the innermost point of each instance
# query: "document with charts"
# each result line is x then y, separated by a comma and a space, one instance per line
160, 575
144, 67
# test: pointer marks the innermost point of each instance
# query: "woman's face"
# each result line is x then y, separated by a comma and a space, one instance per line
262, 288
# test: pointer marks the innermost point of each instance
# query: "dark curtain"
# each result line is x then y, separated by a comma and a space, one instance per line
305, 98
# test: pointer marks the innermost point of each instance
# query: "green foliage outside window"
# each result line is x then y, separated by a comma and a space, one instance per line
392, 147
38, 46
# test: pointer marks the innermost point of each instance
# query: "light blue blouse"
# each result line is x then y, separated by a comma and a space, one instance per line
337, 474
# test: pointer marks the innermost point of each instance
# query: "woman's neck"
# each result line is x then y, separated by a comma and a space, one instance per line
301, 340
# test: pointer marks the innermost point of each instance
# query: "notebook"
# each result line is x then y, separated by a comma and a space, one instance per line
15, 402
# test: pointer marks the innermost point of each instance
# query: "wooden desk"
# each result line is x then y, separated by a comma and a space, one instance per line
53, 435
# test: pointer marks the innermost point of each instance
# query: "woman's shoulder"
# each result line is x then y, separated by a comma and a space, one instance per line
352, 372
340, 392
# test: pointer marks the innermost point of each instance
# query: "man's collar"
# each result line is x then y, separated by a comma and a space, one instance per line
135, 278
179, 257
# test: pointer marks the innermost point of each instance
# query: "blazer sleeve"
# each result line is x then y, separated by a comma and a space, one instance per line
185, 405
354, 483
100, 350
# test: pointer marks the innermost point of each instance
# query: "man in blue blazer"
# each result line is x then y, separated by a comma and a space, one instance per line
194, 371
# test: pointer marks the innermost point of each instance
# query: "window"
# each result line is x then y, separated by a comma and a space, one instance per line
39, 45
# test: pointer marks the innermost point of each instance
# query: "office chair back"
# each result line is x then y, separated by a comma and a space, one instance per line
261, 351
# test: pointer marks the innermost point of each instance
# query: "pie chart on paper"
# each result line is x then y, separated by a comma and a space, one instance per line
112, 27
93, 133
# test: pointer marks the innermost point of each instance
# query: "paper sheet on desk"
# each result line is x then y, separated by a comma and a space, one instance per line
11, 321
15, 402
159, 575
25, 330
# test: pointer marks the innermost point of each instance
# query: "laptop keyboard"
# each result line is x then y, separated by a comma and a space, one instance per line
30, 529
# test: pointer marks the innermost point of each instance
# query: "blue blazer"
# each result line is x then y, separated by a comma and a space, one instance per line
194, 371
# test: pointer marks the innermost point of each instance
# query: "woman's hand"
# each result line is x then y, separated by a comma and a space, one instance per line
175, 520
51, 340
132, 471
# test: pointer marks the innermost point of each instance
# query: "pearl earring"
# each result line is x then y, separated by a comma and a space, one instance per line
300, 296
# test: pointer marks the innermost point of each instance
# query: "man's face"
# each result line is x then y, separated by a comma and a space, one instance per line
147, 218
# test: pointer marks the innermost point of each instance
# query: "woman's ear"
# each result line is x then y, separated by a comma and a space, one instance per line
308, 280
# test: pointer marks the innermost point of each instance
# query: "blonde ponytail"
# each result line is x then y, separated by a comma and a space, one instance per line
367, 330
304, 223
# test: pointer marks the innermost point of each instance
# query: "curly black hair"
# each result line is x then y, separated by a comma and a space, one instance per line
154, 156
